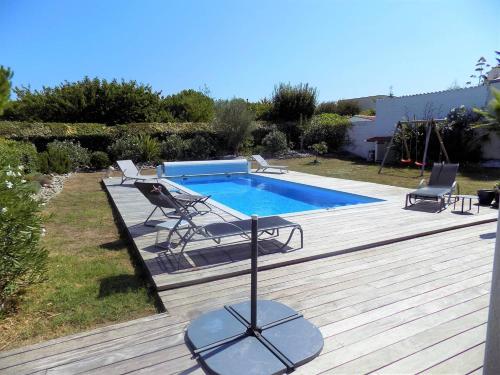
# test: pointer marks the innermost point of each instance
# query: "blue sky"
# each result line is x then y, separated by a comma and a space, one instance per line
243, 48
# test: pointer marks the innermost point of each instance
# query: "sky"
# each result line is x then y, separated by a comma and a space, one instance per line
243, 48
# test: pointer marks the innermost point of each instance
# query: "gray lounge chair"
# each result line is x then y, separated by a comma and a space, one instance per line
196, 203
440, 187
188, 231
130, 172
264, 165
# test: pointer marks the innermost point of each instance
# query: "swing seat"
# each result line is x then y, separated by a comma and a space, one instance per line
419, 164
406, 161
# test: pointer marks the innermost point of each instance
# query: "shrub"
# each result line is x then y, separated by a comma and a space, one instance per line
326, 107
149, 148
143, 148
233, 122
459, 137
198, 148
291, 103
99, 160
190, 105
125, 148
275, 142
173, 148
18, 153
330, 128
88, 100
55, 160
260, 130
347, 108
22, 260
78, 155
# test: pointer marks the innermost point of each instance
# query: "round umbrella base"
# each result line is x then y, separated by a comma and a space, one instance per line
225, 342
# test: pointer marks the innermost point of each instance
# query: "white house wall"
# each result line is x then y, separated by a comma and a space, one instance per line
359, 131
422, 106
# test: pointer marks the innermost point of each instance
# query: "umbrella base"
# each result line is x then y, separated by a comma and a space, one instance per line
225, 342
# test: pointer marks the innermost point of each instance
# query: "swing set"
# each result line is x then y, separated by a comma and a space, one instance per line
401, 130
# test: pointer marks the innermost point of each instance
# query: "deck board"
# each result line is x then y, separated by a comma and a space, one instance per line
413, 306
326, 232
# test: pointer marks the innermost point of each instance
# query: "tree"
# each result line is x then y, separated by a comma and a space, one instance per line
234, 122
5, 85
481, 65
347, 108
319, 149
88, 100
326, 107
262, 109
291, 103
190, 105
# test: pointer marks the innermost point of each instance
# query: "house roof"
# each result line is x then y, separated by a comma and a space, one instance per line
365, 117
442, 91
380, 139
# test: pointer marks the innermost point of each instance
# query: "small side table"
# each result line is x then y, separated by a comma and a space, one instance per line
463, 198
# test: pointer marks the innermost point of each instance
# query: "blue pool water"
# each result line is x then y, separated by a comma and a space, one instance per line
252, 194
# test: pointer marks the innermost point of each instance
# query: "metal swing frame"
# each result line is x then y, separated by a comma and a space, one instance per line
430, 126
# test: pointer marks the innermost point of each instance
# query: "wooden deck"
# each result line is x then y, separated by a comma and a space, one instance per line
326, 232
414, 306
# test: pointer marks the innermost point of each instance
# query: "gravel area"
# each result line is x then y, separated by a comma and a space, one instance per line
294, 154
50, 190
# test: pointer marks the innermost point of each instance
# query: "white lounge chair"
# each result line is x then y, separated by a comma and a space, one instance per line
130, 171
264, 165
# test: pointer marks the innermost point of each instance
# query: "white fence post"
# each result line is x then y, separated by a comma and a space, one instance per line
492, 351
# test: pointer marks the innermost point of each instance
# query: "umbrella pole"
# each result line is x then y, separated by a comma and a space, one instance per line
253, 292
491, 358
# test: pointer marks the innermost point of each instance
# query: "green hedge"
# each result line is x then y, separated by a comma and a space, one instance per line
98, 137
92, 136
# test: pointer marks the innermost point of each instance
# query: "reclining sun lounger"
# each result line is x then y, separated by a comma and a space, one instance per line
188, 201
441, 185
130, 171
188, 231
264, 165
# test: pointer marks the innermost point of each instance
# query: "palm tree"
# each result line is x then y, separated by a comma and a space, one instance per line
492, 113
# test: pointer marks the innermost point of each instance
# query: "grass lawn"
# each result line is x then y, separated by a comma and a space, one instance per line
470, 179
91, 278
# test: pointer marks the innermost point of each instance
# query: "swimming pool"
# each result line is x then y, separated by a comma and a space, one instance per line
252, 194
